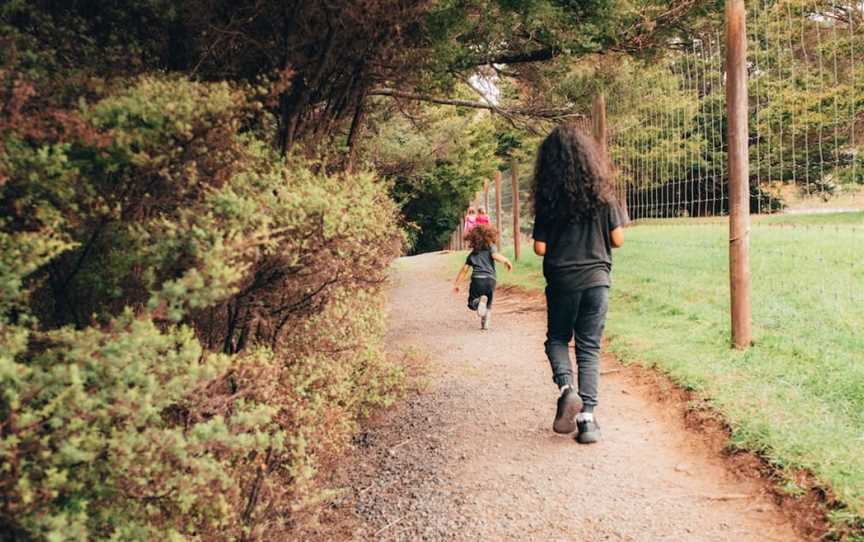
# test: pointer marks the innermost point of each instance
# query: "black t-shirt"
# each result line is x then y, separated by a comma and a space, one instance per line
579, 254
482, 263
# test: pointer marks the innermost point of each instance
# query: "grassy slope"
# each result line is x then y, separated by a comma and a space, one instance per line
797, 397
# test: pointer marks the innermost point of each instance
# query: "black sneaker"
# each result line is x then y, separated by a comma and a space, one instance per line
589, 431
569, 404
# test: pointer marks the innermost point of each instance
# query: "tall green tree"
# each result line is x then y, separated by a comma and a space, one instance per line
434, 167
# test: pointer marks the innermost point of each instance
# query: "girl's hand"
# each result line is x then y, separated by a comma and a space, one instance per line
509, 266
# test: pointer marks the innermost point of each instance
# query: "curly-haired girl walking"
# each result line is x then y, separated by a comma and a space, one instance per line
577, 223
482, 260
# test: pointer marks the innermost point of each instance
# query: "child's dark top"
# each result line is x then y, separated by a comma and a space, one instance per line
482, 263
579, 254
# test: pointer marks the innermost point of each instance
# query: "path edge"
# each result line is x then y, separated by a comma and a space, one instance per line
809, 512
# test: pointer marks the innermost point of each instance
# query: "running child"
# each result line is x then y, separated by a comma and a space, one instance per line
482, 260
577, 223
470, 220
482, 217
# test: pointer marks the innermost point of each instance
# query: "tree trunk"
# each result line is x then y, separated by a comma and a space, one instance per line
292, 108
355, 132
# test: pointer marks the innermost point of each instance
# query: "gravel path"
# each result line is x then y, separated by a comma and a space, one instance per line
472, 455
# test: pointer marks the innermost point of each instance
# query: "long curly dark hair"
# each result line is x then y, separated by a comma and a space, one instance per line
572, 178
481, 237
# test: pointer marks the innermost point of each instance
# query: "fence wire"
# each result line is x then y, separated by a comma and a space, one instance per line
805, 83
806, 94
806, 122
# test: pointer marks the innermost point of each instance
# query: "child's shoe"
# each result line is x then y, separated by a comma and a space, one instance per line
481, 306
589, 429
569, 404
484, 320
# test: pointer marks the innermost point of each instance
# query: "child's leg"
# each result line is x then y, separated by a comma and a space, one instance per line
489, 292
485, 310
560, 316
474, 293
589, 330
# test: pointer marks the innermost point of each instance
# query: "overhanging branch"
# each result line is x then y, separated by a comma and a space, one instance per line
639, 36
431, 99
523, 57
537, 113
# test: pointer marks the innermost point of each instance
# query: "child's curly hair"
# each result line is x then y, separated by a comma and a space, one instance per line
573, 176
481, 237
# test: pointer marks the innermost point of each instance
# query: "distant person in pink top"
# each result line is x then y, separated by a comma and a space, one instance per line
470, 220
482, 217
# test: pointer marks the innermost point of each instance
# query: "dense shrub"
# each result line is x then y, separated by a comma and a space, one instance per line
189, 326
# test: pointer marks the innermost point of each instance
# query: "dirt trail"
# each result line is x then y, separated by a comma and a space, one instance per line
472, 456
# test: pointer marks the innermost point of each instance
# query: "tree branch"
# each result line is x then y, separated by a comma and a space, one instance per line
431, 99
522, 57
483, 96
549, 114
635, 38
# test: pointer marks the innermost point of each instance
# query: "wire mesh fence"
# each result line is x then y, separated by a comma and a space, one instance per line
503, 221
806, 175
805, 86
806, 98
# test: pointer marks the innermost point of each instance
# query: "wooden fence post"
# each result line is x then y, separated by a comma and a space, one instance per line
517, 236
601, 134
498, 206
598, 116
486, 196
739, 174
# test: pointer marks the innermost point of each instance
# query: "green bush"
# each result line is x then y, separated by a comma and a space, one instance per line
189, 326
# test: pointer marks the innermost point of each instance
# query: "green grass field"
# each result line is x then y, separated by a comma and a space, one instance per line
797, 396
821, 219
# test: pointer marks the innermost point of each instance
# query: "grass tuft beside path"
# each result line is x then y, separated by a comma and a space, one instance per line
797, 396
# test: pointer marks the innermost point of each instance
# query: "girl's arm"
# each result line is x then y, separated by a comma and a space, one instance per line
460, 276
498, 257
616, 237
540, 248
